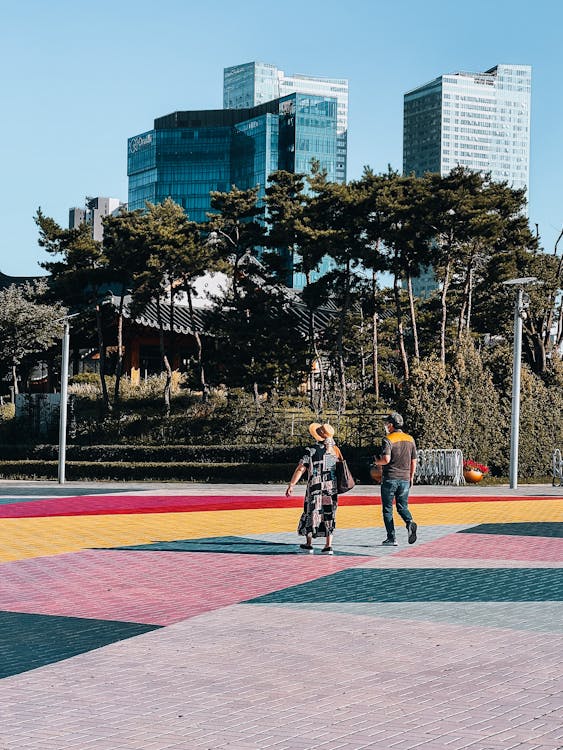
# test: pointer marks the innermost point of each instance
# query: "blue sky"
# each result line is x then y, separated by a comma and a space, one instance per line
79, 78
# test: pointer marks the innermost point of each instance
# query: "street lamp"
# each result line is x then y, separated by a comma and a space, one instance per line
520, 306
64, 399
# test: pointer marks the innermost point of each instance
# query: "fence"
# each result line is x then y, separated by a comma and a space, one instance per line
557, 468
356, 429
439, 467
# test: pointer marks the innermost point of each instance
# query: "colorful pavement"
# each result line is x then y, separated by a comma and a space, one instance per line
183, 618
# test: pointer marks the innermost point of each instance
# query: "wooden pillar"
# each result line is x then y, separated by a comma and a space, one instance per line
135, 361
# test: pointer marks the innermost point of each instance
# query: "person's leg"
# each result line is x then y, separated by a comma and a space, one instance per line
387, 494
329, 520
402, 499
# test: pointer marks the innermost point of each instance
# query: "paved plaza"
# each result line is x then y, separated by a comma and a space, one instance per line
182, 617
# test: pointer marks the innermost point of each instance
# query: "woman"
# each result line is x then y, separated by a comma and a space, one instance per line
321, 500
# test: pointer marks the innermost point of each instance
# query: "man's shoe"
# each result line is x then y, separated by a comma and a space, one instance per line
307, 548
327, 551
389, 543
411, 528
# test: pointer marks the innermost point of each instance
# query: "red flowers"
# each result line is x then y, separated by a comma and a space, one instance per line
470, 465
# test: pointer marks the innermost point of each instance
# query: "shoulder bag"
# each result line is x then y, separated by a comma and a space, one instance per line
344, 479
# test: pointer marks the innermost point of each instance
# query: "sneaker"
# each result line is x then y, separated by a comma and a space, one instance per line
327, 551
389, 543
411, 528
307, 548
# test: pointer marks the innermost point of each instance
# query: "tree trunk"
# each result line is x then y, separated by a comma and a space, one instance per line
119, 363
204, 386
413, 318
465, 304
362, 354
443, 302
375, 352
102, 351
340, 336
400, 331
559, 335
15, 379
165, 361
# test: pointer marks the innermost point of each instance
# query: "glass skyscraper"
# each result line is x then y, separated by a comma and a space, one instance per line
187, 155
476, 120
254, 83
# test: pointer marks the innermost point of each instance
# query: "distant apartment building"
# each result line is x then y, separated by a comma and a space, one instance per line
93, 212
255, 83
476, 120
187, 155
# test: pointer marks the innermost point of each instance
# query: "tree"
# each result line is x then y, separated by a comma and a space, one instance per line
293, 236
79, 276
122, 239
235, 229
27, 324
171, 256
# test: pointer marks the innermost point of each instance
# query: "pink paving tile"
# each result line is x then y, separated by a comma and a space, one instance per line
490, 547
157, 588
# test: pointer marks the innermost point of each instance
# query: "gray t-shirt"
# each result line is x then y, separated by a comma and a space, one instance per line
402, 449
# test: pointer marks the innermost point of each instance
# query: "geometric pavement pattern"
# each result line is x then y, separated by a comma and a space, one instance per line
93, 574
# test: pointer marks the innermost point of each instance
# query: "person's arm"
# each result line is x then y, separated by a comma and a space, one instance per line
384, 456
297, 474
413, 469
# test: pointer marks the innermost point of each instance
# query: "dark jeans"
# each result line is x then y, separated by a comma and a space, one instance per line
398, 489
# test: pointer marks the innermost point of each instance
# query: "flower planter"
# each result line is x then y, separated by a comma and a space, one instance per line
472, 476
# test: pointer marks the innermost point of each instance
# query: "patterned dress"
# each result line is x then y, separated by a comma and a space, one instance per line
321, 501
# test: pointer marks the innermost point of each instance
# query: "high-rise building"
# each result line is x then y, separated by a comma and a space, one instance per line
476, 120
187, 155
254, 83
93, 213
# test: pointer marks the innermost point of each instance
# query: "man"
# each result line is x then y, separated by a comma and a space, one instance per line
398, 460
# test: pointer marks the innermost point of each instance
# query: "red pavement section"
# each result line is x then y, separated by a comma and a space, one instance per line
490, 547
156, 588
115, 504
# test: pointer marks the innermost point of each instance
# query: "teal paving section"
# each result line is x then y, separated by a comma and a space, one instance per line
426, 585
226, 544
547, 529
29, 641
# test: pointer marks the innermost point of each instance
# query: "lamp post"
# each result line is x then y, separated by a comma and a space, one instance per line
520, 306
64, 398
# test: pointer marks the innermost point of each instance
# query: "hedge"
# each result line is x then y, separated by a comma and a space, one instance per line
186, 471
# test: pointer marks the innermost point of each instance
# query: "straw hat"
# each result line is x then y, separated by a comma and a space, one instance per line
321, 431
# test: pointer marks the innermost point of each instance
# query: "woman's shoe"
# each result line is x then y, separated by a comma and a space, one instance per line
307, 548
327, 551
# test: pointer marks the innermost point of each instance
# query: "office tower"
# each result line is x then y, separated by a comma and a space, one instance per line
189, 154
255, 83
93, 213
476, 120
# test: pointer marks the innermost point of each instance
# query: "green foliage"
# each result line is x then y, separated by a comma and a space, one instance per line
7, 412
426, 405
475, 408
27, 324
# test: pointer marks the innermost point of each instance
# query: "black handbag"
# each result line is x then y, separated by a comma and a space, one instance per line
344, 479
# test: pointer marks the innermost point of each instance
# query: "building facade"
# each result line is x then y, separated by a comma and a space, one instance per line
480, 121
93, 213
187, 155
255, 83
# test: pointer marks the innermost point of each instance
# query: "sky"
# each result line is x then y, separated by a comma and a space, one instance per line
79, 78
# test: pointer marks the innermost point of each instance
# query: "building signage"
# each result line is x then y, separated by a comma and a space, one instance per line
139, 141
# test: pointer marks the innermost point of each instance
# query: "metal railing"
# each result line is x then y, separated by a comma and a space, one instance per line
557, 468
440, 466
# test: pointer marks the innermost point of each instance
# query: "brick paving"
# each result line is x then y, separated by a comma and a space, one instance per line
120, 628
